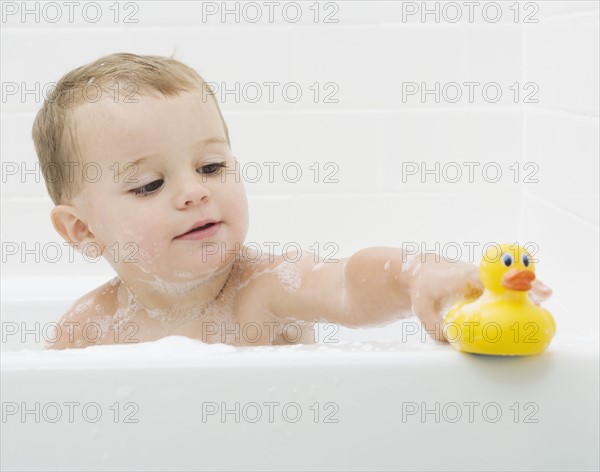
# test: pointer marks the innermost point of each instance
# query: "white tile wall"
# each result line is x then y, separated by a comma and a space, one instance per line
561, 56
560, 212
564, 146
368, 133
550, 8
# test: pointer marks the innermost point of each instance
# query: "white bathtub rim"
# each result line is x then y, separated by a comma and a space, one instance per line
179, 351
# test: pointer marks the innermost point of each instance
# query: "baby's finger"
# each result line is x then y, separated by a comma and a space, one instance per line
534, 299
430, 321
541, 290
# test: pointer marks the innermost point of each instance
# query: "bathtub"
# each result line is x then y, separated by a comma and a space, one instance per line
380, 399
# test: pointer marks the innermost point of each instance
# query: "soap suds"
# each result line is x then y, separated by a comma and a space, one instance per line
219, 310
406, 263
79, 309
289, 276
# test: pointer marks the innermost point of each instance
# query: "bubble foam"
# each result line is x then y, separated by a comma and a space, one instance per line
289, 277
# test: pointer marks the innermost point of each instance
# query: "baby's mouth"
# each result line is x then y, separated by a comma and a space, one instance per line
200, 230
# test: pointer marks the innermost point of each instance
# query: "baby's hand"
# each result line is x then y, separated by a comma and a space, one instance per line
539, 292
437, 284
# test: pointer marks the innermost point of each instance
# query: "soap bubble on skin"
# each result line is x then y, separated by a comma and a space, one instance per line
254, 275
289, 277
175, 288
146, 259
104, 323
127, 307
83, 307
219, 309
184, 275
143, 258
168, 317
286, 272
406, 263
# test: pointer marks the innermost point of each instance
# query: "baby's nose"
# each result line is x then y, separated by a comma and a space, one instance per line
191, 193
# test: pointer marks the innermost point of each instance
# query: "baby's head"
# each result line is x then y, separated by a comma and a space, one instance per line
136, 153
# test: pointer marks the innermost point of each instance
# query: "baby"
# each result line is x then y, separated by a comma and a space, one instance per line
162, 200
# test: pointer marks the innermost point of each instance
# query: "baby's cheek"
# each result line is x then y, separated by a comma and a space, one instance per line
238, 208
140, 246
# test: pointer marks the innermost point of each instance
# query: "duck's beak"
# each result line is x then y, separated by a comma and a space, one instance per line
516, 279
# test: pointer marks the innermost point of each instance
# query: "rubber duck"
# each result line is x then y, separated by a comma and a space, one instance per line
503, 321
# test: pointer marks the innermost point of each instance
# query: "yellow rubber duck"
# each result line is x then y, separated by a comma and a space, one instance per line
502, 321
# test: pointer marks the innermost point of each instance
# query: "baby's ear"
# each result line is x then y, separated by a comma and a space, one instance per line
69, 226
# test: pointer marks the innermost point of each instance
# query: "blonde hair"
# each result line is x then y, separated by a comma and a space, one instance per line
54, 128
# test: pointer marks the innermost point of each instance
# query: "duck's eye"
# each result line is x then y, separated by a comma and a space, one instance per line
507, 259
525, 259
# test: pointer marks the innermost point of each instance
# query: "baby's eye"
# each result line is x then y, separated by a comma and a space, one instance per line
507, 259
147, 189
212, 168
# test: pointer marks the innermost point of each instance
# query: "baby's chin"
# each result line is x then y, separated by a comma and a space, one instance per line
175, 272
177, 266
196, 272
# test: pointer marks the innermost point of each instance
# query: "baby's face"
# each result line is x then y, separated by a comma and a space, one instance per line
187, 174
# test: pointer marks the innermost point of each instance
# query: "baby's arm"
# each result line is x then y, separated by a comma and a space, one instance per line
370, 288
379, 285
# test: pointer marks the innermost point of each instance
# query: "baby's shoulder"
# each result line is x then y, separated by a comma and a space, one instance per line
270, 272
79, 325
253, 267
